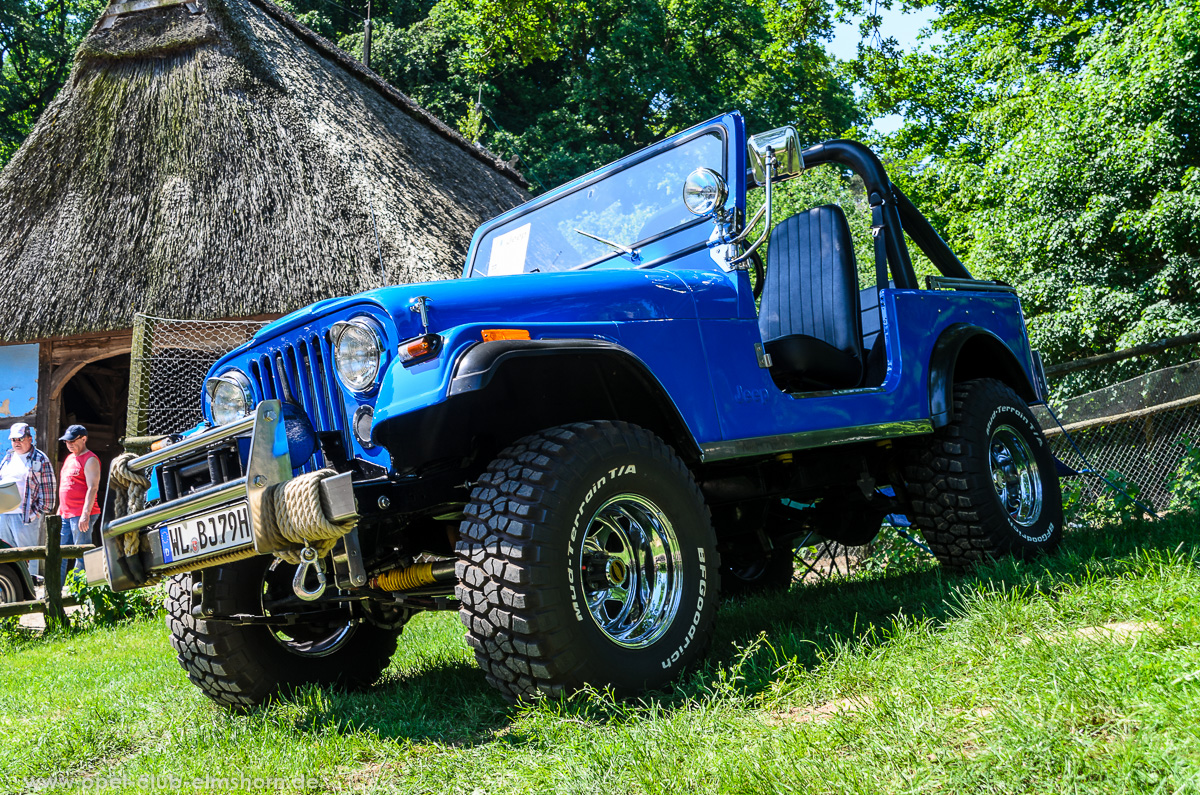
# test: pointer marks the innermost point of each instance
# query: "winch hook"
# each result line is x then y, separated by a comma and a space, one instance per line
308, 558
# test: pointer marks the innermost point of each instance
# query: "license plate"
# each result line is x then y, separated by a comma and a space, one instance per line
207, 533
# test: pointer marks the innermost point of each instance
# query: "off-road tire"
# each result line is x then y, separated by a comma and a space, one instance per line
244, 666
948, 477
763, 572
521, 585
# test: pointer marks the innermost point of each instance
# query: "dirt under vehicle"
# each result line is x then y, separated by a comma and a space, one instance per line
591, 435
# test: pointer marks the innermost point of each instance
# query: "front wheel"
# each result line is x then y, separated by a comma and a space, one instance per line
587, 557
985, 485
242, 666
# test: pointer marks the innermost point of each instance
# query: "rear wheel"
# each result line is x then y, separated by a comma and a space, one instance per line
587, 557
985, 485
242, 666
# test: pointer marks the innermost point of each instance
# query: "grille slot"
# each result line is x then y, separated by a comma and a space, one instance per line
307, 366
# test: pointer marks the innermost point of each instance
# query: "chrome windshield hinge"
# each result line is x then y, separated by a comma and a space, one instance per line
419, 305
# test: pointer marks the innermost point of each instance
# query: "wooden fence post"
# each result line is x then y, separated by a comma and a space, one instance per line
56, 616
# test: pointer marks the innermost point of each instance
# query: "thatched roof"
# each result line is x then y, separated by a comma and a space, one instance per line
219, 159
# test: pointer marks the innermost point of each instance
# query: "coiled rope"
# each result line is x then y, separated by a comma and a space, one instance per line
293, 518
129, 487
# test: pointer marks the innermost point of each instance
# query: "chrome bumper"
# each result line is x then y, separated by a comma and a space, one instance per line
269, 463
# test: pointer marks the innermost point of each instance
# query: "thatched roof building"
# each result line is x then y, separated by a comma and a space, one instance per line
216, 159
212, 159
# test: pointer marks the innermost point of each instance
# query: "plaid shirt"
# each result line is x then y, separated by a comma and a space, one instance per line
39, 485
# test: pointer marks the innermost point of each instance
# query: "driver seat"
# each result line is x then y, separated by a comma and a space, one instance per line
809, 316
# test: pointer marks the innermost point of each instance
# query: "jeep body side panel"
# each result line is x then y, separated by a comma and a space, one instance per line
758, 418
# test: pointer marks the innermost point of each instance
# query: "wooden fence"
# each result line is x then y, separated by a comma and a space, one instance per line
54, 604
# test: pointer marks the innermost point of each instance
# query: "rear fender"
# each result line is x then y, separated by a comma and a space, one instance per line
964, 352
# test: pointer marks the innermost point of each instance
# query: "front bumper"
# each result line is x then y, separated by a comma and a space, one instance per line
268, 464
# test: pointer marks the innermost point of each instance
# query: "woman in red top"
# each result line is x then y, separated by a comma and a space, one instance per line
78, 484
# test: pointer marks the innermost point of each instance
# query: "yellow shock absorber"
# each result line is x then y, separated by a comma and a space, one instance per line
415, 576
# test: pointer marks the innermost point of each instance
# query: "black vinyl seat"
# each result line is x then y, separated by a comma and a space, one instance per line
809, 316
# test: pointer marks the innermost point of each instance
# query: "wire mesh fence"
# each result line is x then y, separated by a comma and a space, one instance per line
167, 367
1128, 417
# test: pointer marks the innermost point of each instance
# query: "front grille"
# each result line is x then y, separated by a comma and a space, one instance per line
307, 366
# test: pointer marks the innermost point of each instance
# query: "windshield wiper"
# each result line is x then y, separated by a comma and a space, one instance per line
633, 254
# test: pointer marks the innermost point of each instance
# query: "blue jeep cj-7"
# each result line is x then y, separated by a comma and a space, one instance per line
592, 435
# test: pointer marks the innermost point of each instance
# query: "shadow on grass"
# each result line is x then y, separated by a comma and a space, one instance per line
452, 703
809, 622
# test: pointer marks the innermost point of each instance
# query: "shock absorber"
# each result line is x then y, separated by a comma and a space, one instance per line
418, 575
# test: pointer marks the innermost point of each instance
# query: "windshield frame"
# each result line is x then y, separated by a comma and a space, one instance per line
587, 180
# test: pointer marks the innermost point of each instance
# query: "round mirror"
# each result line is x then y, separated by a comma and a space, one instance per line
704, 191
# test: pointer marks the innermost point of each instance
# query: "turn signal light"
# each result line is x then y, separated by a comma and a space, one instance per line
419, 349
493, 334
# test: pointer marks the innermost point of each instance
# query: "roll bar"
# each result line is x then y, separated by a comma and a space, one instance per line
899, 213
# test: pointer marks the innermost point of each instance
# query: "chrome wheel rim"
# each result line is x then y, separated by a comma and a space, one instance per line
631, 570
304, 640
1015, 476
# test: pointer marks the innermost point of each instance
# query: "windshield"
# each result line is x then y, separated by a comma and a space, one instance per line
625, 209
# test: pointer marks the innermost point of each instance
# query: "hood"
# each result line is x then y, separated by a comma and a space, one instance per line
598, 296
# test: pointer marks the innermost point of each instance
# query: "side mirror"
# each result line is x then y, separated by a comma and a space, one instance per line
785, 142
704, 192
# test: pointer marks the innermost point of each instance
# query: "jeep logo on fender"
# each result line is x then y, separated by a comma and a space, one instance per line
744, 395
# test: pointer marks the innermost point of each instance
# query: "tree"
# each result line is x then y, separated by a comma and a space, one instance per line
1059, 148
37, 41
569, 90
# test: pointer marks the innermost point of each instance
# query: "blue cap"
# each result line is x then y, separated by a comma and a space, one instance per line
73, 433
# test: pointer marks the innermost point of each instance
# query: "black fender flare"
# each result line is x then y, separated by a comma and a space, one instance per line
477, 366
944, 367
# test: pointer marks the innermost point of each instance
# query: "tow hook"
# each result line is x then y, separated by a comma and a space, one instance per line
308, 559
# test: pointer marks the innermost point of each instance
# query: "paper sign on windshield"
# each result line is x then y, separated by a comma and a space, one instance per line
508, 252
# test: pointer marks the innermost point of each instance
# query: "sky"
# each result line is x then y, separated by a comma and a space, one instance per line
902, 26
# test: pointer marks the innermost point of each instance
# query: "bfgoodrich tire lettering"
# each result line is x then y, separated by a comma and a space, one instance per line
587, 557
242, 666
985, 484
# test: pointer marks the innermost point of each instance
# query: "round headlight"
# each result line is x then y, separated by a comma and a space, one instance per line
704, 191
229, 397
357, 354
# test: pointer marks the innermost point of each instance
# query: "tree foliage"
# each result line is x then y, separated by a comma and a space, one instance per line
1059, 145
568, 87
37, 41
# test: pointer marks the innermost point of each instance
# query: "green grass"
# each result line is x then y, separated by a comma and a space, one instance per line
922, 682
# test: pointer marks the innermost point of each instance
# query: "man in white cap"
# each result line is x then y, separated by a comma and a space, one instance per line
30, 469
